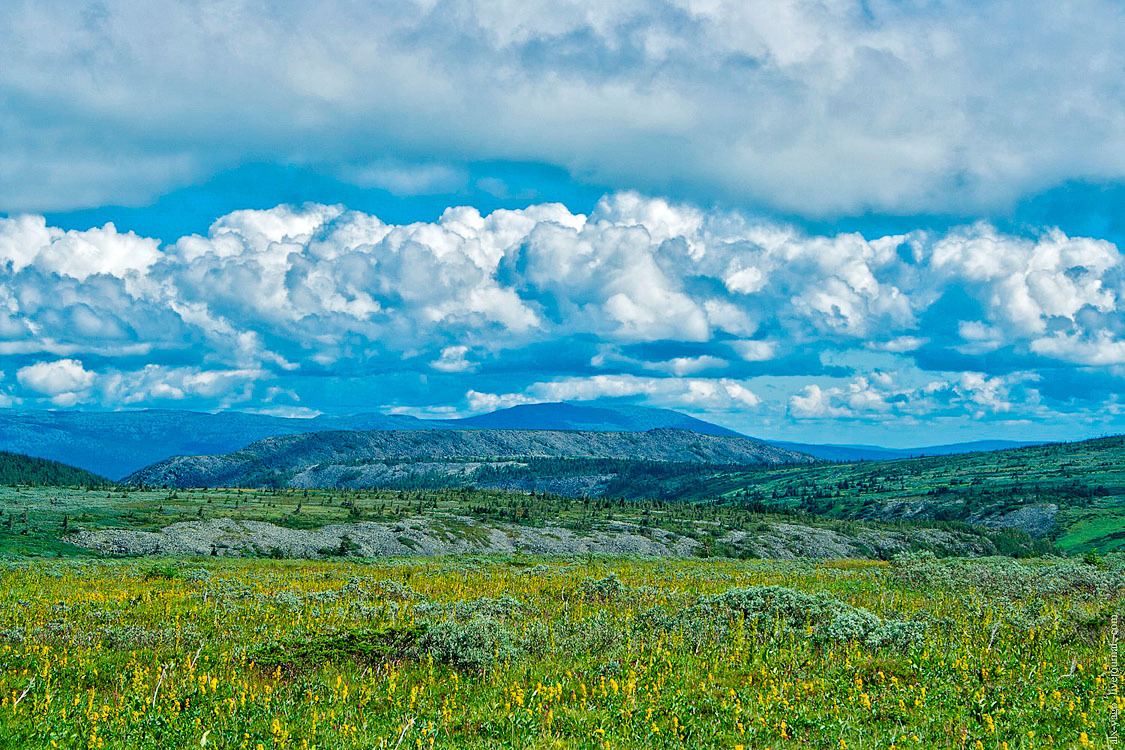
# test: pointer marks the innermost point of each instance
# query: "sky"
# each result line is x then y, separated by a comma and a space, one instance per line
863, 222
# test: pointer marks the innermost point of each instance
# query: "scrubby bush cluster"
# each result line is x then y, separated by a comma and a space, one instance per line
818, 616
601, 590
1049, 577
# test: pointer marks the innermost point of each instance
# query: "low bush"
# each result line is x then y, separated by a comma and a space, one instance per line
162, 572
478, 644
602, 589
818, 616
364, 646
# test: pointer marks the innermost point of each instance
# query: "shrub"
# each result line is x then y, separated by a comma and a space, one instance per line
365, 646
819, 615
502, 608
365, 588
1050, 578
602, 589
165, 571
477, 644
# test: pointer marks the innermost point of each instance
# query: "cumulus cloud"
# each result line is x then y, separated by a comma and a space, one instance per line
62, 380
28, 241
68, 382
881, 397
690, 365
809, 107
159, 383
452, 359
697, 394
642, 299
755, 351
6, 398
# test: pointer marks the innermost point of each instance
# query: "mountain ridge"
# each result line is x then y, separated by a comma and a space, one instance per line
279, 461
115, 444
851, 452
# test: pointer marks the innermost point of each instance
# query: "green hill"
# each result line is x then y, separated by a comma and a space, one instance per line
1070, 493
16, 468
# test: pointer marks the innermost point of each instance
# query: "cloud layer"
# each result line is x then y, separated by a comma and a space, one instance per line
642, 299
815, 108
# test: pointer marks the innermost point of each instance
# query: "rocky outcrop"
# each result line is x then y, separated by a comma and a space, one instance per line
458, 535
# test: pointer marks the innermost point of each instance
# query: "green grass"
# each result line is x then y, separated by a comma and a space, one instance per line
539, 653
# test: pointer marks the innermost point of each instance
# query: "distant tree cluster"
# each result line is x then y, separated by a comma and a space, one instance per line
16, 468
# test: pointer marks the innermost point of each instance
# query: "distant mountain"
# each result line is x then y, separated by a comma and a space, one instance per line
298, 460
16, 469
878, 453
114, 444
565, 416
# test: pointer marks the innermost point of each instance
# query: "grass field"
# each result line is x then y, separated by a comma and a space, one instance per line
591, 653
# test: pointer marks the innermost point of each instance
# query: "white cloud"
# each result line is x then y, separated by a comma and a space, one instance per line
722, 394
881, 397
681, 366
644, 282
407, 179
1099, 349
899, 344
67, 382
485, 402
810, 107
6, 398
63, 380
858, 398
755, 351
453, 360
28, 241
287, 412
1022, 283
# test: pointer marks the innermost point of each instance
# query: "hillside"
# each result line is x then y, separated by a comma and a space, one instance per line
1072, 493
357, 459
16, 469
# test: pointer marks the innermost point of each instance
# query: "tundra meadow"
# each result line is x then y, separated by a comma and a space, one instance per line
592, 653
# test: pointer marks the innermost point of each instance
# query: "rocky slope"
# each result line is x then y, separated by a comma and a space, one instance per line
444, 535
321, 459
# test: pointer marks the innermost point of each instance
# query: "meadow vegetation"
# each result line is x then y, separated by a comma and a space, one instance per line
518, 652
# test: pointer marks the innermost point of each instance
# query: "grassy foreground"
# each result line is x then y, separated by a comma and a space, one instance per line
553, 653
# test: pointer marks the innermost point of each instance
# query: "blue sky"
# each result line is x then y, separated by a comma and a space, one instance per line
891, 222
